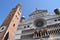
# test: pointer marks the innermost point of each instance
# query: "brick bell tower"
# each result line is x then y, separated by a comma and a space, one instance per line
10, 24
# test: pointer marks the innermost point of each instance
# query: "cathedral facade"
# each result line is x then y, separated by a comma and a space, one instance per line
41, 25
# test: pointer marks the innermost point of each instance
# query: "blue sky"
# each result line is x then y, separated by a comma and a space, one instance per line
28, 6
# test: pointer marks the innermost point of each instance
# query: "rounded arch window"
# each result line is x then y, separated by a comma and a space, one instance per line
24, 26
28, 26
13, 25
7, 36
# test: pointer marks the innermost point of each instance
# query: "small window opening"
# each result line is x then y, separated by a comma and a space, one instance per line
18, 13
58, 19
17, 17
13, 25
28, 26
24, 26
55, 20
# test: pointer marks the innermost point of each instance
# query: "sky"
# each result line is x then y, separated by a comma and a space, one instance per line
28, 6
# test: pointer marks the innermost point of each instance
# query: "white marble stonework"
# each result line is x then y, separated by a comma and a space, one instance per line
41, 25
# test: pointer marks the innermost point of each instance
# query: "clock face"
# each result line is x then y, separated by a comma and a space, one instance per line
2, 28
